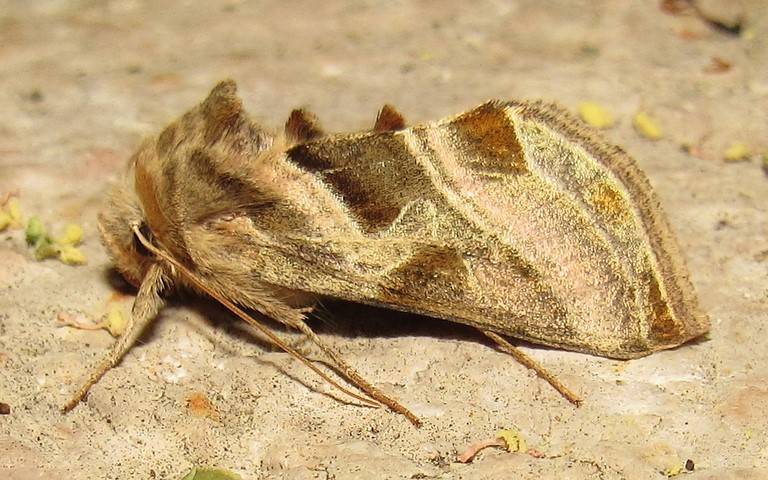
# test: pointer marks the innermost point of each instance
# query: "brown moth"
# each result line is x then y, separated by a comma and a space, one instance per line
512, 217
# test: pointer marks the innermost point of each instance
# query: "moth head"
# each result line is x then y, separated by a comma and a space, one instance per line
198, 168
123, 210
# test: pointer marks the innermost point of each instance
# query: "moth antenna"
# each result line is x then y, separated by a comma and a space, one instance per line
389, 119
527, 361
348, 371
145, 309
302, 126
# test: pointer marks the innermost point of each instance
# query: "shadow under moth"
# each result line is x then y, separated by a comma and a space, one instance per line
513, 218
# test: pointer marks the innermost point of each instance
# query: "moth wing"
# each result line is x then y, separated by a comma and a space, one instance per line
540, 229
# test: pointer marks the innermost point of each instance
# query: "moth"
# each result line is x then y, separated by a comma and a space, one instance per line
512, 217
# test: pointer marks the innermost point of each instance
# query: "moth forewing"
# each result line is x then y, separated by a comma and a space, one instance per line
609, 187
511, 217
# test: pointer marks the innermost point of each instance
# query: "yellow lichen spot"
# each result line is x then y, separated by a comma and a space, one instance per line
35, 231
647, 126
736, 152
595, 115
70, 255
73, 235
513, 440
117, 321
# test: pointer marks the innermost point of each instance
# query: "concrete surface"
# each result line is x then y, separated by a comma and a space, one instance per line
83, 81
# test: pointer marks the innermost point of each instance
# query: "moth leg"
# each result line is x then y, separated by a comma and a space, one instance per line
146, 307
510, 349
294, 318
356, 378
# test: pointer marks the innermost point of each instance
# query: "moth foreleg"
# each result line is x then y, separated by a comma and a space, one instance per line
510, 349
146, 307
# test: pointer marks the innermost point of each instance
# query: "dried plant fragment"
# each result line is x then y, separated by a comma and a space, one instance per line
510, 440
14, 211
471, 451
63, 247
513, 440
512, 217
69, 320
647, 126
73, 235
717, 65
5, 220
200, 406
70, 255
727, 20
595, 115
736, 152
10, 212
116, 321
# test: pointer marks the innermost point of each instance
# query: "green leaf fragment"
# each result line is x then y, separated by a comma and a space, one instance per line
45, 248
35, 230
209, 473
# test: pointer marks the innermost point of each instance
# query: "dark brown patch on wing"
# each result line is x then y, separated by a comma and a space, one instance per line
432, 273
389, 119
376, 175
216, 191
664, 330
488, 140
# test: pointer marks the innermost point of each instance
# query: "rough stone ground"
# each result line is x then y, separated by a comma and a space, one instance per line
84, 81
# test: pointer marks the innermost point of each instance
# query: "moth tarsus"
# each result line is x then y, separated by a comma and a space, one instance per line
512, 217
524, 359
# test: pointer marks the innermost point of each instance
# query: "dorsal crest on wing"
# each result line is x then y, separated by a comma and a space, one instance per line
389, 120
204, 163
302, 126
